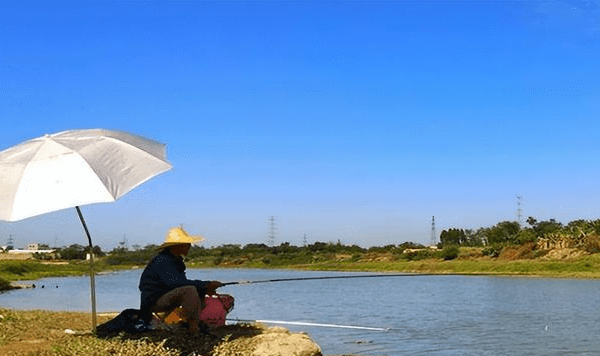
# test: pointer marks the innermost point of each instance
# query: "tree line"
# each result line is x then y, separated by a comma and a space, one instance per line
583, 234
279, 254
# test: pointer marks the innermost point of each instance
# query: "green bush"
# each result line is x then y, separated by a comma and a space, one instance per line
450, 253
417, 255
43, 256
492, 250
526, 236
4, 284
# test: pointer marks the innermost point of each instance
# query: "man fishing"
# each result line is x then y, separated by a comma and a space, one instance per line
164, 285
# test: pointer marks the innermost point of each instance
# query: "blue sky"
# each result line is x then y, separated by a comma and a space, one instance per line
346, 120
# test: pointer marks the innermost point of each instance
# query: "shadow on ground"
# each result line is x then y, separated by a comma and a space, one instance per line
193, 345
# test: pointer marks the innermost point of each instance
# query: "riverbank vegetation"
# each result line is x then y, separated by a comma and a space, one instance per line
542, 248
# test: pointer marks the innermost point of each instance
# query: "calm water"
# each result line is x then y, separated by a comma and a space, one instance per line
427, 315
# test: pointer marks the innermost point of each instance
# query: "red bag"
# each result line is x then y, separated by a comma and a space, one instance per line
216, 309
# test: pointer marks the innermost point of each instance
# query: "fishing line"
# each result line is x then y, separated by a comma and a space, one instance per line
328, 277
301, 323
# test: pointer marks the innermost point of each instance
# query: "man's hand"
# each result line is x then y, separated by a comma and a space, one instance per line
212, 286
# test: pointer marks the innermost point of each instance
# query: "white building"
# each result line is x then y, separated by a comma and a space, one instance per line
31, 249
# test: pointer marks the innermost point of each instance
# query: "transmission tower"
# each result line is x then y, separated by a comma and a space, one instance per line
123, 243
272, 231
519, 211
11, 241
433, 241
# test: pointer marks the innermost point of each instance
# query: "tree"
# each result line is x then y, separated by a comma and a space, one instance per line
409, 245
545, 228
97, 251
73, 252
255, 248
504, 232
453, 237
475, 238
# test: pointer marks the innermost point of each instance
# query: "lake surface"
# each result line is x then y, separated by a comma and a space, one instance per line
426, 315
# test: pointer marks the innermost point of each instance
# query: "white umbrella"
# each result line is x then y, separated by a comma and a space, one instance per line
73, 168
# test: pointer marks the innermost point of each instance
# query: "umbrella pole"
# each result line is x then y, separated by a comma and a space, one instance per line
92, 282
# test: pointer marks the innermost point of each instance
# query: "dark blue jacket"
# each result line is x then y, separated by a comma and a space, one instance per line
164, 273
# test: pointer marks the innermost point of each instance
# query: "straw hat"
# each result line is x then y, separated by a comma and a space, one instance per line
178, 236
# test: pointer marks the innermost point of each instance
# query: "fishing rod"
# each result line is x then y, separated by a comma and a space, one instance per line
301, 323
327, 277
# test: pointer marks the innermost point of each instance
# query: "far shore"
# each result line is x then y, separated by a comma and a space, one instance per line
565, 263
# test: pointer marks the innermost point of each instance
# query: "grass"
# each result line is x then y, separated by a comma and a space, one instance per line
22, 270
33, 269
587, 266
37, 332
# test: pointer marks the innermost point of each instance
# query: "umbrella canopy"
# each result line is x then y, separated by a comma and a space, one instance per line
74, 168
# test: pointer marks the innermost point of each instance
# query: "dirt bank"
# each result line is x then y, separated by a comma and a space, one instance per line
43, 333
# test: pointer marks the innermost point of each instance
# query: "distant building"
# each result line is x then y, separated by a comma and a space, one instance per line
31, 249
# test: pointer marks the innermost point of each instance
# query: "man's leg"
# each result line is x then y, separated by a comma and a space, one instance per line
185, 297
